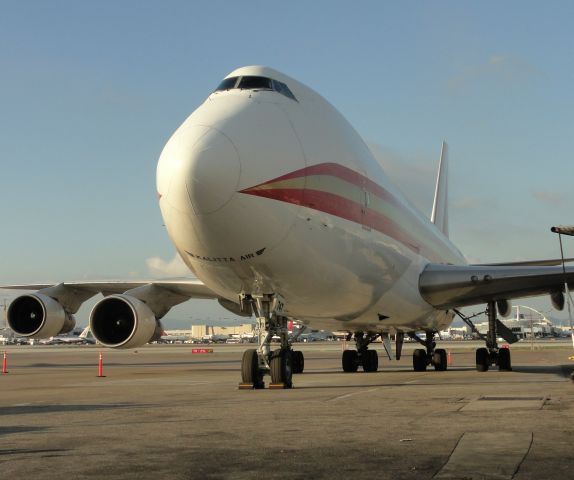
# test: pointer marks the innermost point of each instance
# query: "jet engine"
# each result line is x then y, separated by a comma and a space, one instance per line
504, 307
558, 300
38, 316
122, 321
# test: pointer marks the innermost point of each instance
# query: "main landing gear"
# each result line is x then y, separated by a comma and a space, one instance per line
362, 356
422, 358
282, 363
492, 354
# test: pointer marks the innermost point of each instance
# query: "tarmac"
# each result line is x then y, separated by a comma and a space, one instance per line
162, 412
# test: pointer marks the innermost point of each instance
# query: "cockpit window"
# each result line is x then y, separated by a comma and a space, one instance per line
251, 82
227, 84
284, 90
254, 83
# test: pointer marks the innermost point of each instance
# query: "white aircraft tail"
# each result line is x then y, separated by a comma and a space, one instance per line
439, 215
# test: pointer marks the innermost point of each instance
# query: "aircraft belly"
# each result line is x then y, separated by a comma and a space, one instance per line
398, 307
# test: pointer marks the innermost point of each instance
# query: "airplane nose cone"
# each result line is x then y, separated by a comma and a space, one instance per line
202, 168
213, 176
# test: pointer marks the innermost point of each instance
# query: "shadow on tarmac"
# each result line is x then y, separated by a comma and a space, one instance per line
10, 430
59, 408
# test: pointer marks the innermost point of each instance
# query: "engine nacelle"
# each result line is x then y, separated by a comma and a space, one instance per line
38, 316
558, 300
504, 307
122, 321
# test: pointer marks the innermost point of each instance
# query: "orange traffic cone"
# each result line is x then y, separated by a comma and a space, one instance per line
100, 366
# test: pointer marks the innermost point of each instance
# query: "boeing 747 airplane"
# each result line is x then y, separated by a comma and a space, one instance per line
281, 212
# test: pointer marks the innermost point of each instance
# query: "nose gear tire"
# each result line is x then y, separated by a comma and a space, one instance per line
282, 368
250, 372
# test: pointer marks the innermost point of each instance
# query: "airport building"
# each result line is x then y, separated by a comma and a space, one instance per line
526, 322
207, 331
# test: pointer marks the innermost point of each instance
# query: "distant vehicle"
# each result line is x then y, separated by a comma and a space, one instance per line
319, 336
6, 337
173, 339
83, 338
219, 338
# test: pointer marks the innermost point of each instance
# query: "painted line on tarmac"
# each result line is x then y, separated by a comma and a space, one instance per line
352, 394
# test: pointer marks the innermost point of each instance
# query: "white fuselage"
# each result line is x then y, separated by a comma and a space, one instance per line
261, 193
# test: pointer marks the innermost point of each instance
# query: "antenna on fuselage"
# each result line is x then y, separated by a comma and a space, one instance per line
439, 215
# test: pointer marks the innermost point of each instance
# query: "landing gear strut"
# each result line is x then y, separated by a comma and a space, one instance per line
492, 354
280, 363
430, 355
368, 359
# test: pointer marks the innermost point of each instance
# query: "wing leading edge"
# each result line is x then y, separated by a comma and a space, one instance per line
164, 294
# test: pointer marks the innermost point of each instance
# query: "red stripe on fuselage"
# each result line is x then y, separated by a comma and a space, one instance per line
334, 170
334, 204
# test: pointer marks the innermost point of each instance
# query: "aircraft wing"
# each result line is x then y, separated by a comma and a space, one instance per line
452, 286
528, 263
192, 287
160, 295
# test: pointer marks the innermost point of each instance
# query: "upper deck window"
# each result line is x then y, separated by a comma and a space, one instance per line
251, 82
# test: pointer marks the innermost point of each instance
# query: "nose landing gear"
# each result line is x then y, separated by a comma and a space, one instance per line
280, 364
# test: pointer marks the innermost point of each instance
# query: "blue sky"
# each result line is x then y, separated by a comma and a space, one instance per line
91, 91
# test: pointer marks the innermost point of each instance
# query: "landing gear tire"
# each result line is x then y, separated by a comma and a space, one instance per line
250, 372
350, 361
298, 361
370, 361
282, 368
504, 364
482, 360
440, 360
419, 360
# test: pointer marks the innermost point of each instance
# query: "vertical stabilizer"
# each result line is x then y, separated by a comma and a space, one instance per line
439, 215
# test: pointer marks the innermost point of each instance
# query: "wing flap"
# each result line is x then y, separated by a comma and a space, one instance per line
505, 332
